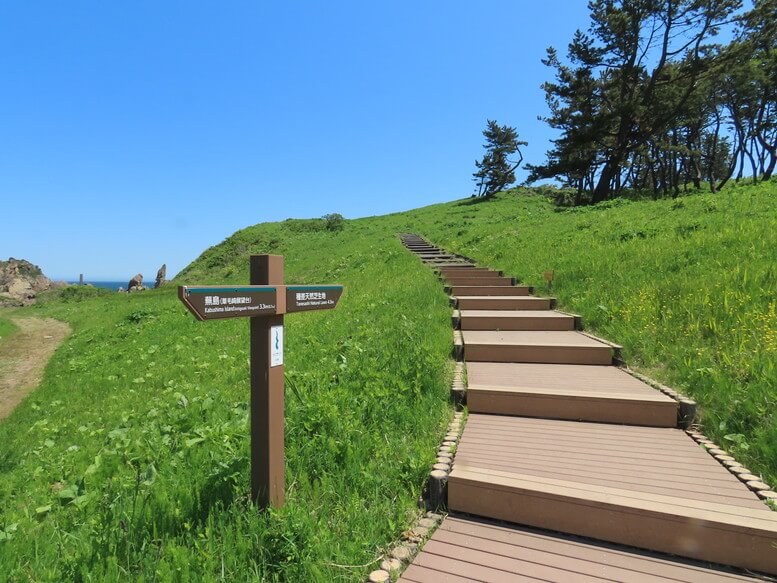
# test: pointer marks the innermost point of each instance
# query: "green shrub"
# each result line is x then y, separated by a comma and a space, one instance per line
334, 222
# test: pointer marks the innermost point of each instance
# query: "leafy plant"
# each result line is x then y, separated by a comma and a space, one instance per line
334, 222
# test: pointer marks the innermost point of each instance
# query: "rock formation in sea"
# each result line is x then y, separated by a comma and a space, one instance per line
136, 283
160, 276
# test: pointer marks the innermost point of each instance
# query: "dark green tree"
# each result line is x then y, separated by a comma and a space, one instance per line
628, 80
574, 100
334, 222
496, 170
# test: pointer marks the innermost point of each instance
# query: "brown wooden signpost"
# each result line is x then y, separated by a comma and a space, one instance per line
265, 301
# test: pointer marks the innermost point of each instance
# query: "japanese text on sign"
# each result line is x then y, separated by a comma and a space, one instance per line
305, 296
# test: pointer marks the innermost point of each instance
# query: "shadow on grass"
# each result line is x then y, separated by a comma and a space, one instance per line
473, 200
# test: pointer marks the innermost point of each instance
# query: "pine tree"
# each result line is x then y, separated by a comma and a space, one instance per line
629, 79
496, 171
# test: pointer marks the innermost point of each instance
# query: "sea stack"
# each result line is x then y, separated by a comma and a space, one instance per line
160, 276
136, 283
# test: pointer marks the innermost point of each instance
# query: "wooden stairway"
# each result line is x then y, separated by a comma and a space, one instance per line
463, 550
560, 438
604, 394
513, 320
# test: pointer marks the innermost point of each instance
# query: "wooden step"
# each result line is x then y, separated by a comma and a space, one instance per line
489, 290
502, 303
535, 346
605, 394
465, 549
515, 320
472, 272
445, 260
647, 487
458, 264
451, 274
490, 280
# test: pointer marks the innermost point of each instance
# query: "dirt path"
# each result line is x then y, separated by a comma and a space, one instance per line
23, 357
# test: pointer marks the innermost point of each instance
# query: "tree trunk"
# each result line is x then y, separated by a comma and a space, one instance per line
696, 167
770, 168
772, 150
604, 186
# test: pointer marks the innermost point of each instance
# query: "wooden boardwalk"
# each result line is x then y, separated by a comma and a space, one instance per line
515, 320
548, 346
464, 550
559, 438
502, 302
567, 391
652, 488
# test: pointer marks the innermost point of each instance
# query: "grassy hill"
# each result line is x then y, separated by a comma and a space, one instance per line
687, 286
131, 459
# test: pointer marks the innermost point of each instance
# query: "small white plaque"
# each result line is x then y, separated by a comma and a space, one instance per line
276, 345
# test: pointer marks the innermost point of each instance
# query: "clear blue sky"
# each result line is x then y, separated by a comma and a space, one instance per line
137, 133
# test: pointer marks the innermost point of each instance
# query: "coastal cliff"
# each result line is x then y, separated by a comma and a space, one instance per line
21, 281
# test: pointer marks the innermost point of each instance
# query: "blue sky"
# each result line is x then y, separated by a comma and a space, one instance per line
139, 133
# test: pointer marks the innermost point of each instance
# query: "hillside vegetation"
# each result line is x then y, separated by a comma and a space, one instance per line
131, 459
130, 462
687, 286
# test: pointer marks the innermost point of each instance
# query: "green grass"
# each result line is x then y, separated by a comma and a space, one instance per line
7, 329
687, 286
130, 462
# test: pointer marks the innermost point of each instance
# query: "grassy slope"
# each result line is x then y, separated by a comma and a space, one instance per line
7, 328
131, 459
687, 286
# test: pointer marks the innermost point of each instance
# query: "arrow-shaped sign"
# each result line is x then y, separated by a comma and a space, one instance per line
265, 305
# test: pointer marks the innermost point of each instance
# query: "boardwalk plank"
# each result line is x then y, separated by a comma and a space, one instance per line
743, 537
552, 347
467, 549
516, 320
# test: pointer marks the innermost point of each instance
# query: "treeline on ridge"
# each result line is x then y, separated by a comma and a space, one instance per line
647, 102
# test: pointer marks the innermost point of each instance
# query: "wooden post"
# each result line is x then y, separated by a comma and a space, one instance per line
264, 302
438, 489
267, 402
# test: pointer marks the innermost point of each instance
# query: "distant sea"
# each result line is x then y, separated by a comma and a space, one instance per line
112, 285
